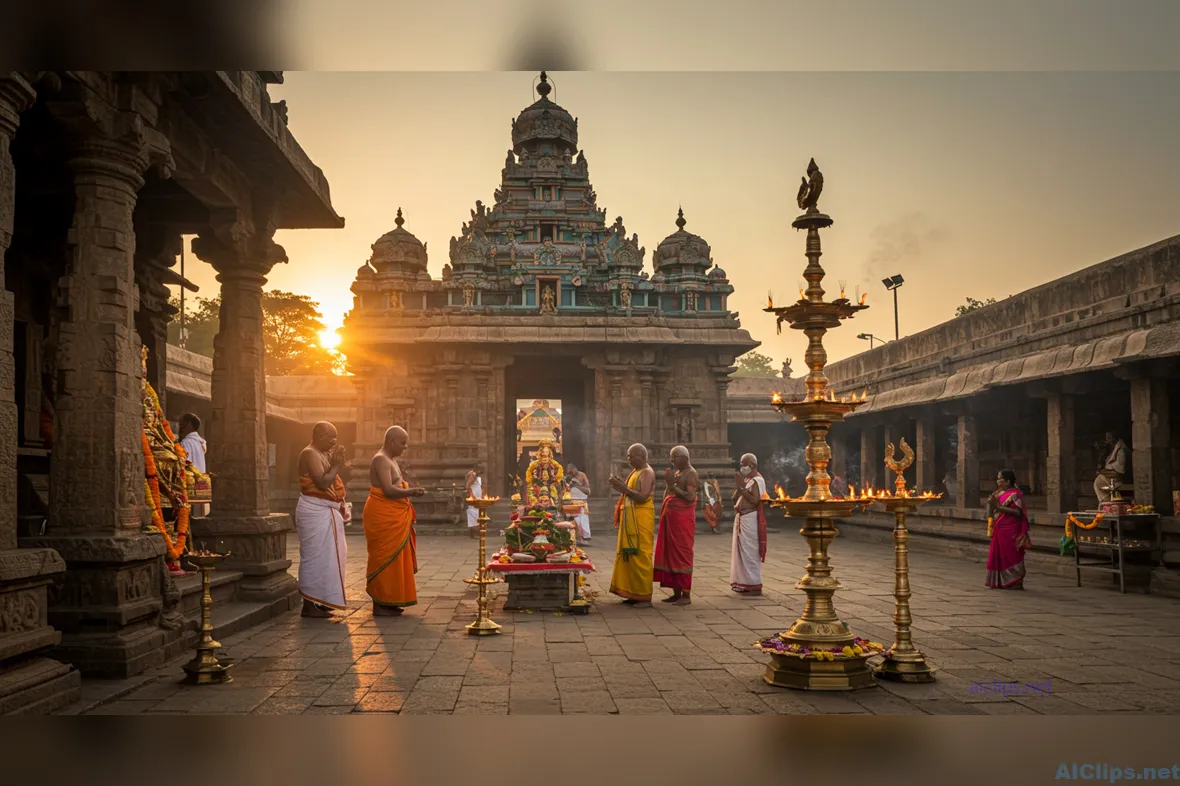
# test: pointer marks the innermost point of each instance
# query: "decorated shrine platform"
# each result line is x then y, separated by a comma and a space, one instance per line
544, 586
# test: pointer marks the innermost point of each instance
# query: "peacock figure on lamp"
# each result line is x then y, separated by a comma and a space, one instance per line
818, 652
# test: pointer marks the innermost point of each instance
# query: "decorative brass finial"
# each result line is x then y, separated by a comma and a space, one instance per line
810, 189
899, 467
544, 88
680, 222
399, 220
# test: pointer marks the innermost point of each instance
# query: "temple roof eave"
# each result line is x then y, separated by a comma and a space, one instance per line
306, 201
1101, 354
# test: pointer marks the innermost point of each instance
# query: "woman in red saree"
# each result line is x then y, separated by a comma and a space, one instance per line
1005, 558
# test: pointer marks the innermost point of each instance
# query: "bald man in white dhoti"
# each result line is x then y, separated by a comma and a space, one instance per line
749, 528
319, 522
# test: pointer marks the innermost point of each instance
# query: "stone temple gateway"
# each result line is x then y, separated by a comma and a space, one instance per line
541, 299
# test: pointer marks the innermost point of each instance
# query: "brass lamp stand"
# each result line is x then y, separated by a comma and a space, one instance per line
206, 668
800, 656
903, 662
483, 625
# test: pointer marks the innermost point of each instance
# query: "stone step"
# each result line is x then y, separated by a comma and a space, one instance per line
223, 587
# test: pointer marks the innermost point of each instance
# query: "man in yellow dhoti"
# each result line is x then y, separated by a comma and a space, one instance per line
389, 530
635, 518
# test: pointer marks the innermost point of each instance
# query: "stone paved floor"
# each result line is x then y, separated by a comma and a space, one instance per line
1099, 651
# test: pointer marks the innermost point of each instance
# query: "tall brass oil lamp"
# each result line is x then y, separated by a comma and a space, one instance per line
483, 625
206, 668
903, 662
818, 652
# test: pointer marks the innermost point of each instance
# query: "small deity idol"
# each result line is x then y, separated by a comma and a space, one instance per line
543, 477
548, 302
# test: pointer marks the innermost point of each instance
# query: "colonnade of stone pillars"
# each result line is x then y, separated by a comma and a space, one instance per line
109, 603
28, 679
241, 522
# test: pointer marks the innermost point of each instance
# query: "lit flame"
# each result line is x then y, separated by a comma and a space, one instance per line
851, 491
863, 298
769, 300
778, 490
801, 295
776, 398
863, 394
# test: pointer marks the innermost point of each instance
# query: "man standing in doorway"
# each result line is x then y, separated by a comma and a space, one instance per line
676, 534
1113, 469
579, 486
195, 448
473, 489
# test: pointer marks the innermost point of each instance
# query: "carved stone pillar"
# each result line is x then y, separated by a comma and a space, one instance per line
968, 464
28, 681
1061, 477
925, 472
112, 594
870, 456
1150, 432
838, 466
155, 251
240, 520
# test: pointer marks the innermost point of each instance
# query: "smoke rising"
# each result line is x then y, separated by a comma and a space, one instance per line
905, 239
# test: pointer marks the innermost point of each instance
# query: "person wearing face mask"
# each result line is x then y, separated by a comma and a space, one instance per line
749, 528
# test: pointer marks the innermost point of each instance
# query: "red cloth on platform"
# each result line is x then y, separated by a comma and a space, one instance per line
674, 543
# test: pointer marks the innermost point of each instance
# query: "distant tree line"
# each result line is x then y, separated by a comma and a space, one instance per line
291, 326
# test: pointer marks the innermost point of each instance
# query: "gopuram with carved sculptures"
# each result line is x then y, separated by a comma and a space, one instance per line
541, 300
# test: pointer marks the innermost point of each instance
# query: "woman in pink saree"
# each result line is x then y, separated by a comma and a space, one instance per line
1005, 558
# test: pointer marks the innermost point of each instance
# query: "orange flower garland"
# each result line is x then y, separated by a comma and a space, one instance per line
152, 490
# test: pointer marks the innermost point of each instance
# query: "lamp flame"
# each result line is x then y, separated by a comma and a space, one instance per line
776, 398
770, 300
778, 490
863, 298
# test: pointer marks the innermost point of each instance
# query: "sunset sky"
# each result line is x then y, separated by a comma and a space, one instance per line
968, 184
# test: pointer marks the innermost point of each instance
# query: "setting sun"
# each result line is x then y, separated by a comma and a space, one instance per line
329, 338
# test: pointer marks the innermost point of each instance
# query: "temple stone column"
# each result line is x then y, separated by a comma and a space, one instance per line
924, 451
1150, 451
968, 464
240, 520
871, 453
155, 251
1061, 478
838, 466
111, 597
29, 682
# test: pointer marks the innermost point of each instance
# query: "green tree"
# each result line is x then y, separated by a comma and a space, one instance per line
291, 326
755, 364
972, 304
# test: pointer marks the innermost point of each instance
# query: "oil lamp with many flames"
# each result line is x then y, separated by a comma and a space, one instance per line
818, 652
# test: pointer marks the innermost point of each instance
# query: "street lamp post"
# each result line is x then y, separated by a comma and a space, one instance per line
893, 284
869, 337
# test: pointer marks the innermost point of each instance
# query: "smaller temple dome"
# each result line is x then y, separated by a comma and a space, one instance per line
398, 250
682, 253
545, 121
717, 273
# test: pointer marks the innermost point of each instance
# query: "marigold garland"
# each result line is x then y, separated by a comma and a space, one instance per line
991, 526
1071, 522
152, 490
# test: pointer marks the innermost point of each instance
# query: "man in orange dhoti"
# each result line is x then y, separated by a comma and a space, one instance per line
676, 534
389, 530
